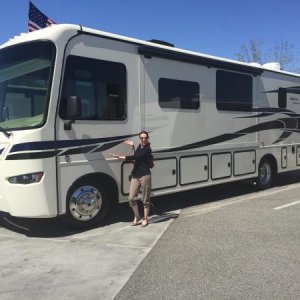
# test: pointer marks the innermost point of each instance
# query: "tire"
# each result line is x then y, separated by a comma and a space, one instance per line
87, 204
266, 174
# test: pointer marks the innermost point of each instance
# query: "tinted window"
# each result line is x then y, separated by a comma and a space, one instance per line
178, 94
233, 91
101, 86
282, 97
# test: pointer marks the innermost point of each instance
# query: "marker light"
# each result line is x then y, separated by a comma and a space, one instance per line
26, 178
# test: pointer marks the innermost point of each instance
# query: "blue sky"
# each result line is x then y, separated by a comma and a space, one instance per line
216, 27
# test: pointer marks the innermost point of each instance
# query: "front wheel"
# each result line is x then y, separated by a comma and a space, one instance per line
266, 174
87, 203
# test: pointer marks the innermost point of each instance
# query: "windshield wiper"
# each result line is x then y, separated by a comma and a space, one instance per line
5, 132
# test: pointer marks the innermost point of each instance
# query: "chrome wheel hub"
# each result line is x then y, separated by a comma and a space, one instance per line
85, 203
265, 174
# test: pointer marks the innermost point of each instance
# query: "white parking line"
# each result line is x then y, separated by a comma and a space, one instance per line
202, 209
287, 205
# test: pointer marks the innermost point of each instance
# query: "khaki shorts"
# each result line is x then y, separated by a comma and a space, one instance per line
144, 183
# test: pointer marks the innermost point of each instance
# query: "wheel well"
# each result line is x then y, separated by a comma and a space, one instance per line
108, 183
271, 159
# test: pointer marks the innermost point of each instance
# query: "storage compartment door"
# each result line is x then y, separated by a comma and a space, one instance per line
244, 163
284, 158
193, 169
220, 165
298, 155
126, 171
164, 173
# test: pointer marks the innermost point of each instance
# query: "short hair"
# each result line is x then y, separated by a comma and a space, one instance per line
144, 132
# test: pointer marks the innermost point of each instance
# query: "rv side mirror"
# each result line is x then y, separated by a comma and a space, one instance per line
73, 110
73, 107
282, 95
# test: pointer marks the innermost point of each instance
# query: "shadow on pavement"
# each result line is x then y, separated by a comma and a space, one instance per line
161, 209
56, 227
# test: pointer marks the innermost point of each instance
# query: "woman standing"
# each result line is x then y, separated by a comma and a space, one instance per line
141, 177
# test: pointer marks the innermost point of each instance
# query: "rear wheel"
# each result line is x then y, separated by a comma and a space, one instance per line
87, 203
266, 174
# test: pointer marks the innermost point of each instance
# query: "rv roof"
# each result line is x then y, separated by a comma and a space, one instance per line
57, 30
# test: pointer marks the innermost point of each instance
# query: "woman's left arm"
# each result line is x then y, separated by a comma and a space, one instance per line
130, 143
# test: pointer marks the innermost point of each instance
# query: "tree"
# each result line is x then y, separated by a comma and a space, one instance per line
282, 52
251, 53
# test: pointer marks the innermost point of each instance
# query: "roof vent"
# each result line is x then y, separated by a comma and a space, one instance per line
161, 43
255, 64
273, 66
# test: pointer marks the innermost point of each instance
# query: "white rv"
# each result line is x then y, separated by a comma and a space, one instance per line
70, 95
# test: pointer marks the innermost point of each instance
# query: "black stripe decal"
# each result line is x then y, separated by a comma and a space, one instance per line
106, 146
79, 150
290, 124
285, 135
46, 145
31, 155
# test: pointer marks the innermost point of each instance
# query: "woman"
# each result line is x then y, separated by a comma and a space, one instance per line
141, 177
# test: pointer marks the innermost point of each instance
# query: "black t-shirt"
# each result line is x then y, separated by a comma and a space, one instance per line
141, 157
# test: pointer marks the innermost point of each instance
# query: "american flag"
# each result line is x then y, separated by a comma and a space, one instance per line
37, 20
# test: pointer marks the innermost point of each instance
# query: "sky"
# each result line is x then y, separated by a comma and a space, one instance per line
214, 27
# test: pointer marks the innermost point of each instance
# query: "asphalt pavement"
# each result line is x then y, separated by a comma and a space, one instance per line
223, 242
43, 259
246, 247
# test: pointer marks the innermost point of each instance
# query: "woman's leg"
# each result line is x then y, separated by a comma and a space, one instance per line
134, 189
146, 190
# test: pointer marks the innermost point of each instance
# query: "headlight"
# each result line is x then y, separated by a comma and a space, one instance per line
26, 178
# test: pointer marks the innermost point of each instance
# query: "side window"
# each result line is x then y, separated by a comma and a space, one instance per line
101, 86
282, 97
178, 94
233, 91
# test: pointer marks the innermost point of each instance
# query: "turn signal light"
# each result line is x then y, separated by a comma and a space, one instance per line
26, 178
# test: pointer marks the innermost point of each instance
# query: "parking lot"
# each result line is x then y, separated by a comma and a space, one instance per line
42, 259
221, 242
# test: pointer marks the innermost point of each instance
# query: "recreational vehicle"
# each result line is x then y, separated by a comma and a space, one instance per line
70, 95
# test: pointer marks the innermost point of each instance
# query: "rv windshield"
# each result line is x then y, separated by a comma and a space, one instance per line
24, 84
